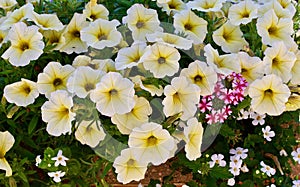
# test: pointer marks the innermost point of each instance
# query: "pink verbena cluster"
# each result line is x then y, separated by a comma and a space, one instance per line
228, 92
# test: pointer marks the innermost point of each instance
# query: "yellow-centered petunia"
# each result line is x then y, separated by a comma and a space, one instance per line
273, 29
269, 95
26, 44
229, 38
141, 21
129, 167
73, 42
188, 23
21, 93
6, 142
151, 143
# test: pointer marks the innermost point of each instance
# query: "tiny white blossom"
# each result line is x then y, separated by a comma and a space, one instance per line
296, 183
272, 185
236, 160
56, 175
283, 153
267, 169
243, 114
268, 134
217, 159
258, 119
234, 169
239, 152
38, 160
60, 159
244, 169
296, 155
231, 182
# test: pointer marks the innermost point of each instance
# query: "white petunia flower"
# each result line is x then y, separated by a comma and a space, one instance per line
161, 60
21, 93
26, 44
57, 113
101, 33
90, 133
268, 134
60, 159
267, 169
151, 143
193, 133
113, 95
129, 166
141, 21
83, 80
181, 96
54, 77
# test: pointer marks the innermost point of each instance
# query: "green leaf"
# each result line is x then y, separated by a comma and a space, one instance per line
220, 173
32, 124
23, 176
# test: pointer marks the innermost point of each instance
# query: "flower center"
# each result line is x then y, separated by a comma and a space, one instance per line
113, 92
151, 141
140, 24
102, 36
93, 16
268, 92
27, 89
188, 27
198, 78
24, 46
57, 82
245, 15
130, 162
272, 30
161, 60
89, 87
76, 34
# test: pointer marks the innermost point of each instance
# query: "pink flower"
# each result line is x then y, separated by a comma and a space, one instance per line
212, 117
205, 105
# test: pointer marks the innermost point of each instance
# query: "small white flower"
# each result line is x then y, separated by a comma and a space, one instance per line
268, 134
239, 152
236, 160
258, 119
243, 114
283, 153
244, 169
60, 159
38, 160
217, 159
56, 175
234, 169
272, 185
296, 183
184, 185
267, 169
296, 155
231, 182
140, 185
